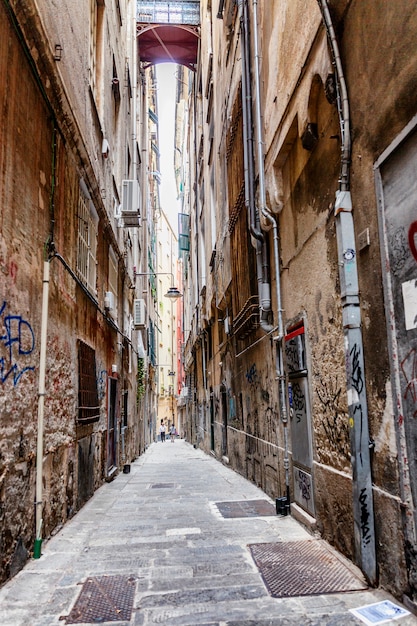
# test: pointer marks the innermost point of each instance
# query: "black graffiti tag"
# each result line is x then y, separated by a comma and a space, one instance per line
299, 401
357, 376
366, 531
304, 485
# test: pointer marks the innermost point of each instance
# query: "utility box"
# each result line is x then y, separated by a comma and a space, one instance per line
131, 203
139, 313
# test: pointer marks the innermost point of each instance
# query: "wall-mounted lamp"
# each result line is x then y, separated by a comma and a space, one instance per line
173, 293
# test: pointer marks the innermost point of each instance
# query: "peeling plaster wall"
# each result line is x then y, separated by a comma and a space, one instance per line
27, 165
375, 41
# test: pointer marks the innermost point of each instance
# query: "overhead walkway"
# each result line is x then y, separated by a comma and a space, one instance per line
168, 31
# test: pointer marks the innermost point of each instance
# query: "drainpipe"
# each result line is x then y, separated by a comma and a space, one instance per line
41, 405
262, 253
257, 237
134, 134
364, 530
49, 250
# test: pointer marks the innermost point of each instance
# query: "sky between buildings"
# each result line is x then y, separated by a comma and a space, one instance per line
166, 77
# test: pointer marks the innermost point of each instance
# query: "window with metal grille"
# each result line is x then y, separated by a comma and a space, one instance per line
88, 404
87, 241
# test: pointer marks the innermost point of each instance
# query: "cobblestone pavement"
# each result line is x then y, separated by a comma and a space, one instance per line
153, 547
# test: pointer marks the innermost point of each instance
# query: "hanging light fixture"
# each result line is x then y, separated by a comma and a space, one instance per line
173, 293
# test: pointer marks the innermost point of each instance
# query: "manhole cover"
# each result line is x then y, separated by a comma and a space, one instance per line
103, 599
246, 508
163, 486
300, 568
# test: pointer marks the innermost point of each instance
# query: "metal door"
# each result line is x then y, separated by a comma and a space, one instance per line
300, 417
397, 189
112, 425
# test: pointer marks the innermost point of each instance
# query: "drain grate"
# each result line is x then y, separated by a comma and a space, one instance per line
103, 599
246, 508
300, 568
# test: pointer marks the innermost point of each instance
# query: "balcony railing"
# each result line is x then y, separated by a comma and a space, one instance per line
169, 12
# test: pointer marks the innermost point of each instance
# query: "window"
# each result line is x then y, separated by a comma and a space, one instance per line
87, 240
96, 43
112, 282
88, 404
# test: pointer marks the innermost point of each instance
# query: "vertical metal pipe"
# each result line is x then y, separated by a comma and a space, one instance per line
41, 405
134, 52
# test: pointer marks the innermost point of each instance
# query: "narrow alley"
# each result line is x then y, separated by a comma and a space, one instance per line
173, 542
265, 307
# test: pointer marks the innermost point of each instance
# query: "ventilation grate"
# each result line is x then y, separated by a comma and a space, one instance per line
301, 568
103, 599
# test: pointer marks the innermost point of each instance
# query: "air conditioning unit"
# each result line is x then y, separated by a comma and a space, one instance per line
130, 196
131, 202
139, 313
109, 301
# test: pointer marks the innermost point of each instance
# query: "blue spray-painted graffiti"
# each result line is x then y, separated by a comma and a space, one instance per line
252, 375
18, 341
101, 383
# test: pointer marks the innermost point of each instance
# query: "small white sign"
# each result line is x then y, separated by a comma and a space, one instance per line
410, 303
379, 613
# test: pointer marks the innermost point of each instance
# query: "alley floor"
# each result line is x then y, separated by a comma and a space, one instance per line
183, 540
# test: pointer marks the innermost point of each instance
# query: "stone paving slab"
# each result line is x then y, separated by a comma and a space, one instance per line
191, 566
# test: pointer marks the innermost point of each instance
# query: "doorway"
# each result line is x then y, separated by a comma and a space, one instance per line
300, 419
112, 425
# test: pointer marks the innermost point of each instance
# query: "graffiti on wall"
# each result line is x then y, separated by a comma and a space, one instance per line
356, 377
17, 342
365, 515
252, 375
334, 422
299, 404
409, 369
401, 243
101, 383
304, 484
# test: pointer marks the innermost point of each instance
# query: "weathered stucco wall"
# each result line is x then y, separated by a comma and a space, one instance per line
302, 177
51, 139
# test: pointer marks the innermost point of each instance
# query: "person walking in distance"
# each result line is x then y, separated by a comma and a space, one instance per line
172, 432
162, 430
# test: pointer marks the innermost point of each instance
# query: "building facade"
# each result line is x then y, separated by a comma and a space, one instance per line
75, 189
299, 283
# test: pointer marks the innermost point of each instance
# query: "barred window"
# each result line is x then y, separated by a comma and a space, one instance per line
87, 241
88, 404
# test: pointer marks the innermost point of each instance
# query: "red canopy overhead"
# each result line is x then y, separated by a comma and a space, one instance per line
161, 43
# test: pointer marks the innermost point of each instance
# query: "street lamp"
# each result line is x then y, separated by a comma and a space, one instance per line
173, 293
